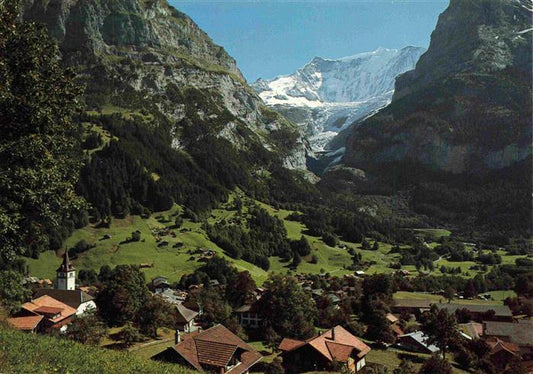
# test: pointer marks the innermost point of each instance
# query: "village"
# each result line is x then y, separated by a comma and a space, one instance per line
251, 342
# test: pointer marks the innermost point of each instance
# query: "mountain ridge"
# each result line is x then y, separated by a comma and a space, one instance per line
327, 95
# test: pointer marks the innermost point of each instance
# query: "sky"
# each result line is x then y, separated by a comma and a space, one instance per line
269, 38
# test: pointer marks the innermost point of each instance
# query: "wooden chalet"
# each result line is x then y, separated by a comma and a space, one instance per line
216, 350
321, 353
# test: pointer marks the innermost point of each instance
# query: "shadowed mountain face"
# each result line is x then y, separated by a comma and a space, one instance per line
466, 108
457, 134
173, 118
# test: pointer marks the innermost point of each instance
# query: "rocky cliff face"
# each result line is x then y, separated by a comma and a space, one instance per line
328, 95
466, 107
137, 54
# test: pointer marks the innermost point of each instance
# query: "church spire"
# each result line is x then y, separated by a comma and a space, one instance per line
66, 266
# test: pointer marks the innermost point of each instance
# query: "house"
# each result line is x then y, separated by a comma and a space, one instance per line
480, 313
473, 330
77, 299
501, 352
215, 350
248, 316
185, 318
57, 315
517, 333
410, 306
416, 342
159, 284
323, 352
30, 323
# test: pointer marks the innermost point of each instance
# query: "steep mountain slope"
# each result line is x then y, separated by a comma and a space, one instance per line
176, 118
462, 119
327, 95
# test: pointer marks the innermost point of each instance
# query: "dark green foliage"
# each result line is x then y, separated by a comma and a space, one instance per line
436, 365
88, 329
129, 335
287, 308
12, 292
440, 328
154, 313
123, 295
39, 147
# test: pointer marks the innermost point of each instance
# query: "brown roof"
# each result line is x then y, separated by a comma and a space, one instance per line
73, 298
397, 330
48, 310
499, 310
47, 301
216, 346
66, 264
412, 303
497, 345
25, 323
185, 315
472, 329
290, 344
391, 318
323, 344
517, 333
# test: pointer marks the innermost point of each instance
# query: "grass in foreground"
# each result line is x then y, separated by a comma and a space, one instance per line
29, 353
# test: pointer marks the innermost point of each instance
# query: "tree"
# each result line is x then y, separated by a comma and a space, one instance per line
405, 367
129, 335
287, 308
240, 291
40, 156
155, 313
449, 294
296, 260
123, 295
375, 247
12, 292
440, 328
88, 329
436, 365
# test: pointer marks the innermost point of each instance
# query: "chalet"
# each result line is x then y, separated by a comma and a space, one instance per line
185, 319
410, 306
248, 316
501, 352
216, 350
473, 330
323, 352
480, 313
30, 323
56, 315
516, 333
158, 284
416, 342
394, 323
77, 299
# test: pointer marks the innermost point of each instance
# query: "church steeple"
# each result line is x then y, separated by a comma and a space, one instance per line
66, 274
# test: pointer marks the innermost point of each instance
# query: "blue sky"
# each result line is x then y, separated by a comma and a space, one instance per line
275, 37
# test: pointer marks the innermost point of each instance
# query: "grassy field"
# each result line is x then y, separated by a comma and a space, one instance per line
391, 358
175, 262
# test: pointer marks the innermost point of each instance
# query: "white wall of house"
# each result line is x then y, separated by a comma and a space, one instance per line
85, 307
360, 364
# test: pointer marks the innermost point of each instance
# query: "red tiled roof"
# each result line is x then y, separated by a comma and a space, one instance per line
214, 353
497, 345
339, 352
48, 310
216, 346
323, 344
25, 323
391, 318
47, 301
290, 344
396, 329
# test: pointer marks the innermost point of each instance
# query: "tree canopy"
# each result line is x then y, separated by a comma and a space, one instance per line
39, 152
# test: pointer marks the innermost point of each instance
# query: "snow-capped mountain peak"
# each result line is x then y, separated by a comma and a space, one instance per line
336, 92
